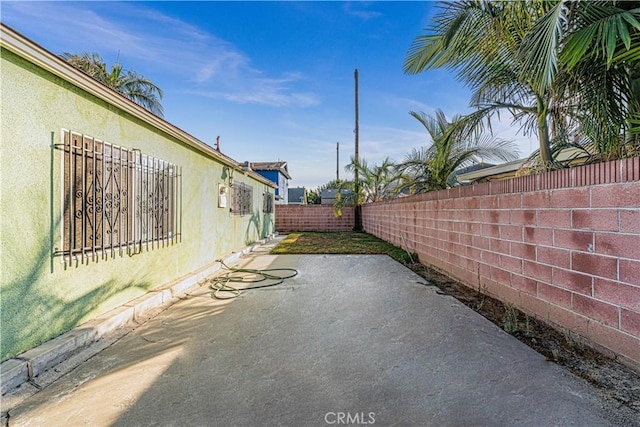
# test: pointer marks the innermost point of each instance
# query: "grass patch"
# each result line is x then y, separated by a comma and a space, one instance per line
348, 242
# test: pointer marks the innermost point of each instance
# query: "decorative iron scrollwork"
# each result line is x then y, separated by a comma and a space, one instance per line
115, 197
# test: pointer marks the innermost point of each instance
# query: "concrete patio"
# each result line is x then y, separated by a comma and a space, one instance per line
353, 339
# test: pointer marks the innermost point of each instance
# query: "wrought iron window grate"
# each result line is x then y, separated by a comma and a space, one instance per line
115, 198
242, 199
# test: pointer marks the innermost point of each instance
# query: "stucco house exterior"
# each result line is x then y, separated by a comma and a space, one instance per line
103, 201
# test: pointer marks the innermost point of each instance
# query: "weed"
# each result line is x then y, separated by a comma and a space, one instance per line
483, 292
527, 326
510, 319
512, 324
573, 340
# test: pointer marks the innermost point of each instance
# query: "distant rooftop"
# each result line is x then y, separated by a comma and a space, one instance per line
296, 195
271, 166
508, 170
331, 192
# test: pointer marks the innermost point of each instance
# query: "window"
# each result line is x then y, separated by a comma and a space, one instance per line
267, 203
242, 199
115, 198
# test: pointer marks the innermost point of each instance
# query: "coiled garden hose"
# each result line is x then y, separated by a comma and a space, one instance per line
220, 284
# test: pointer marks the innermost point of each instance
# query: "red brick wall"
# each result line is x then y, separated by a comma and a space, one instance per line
312, 218
563, 246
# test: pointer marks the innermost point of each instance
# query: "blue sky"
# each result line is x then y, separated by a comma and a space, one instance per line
275, 80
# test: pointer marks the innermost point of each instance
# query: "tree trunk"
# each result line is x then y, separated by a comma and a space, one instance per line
543, 134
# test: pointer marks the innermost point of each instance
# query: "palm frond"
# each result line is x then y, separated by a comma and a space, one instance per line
540, 48
135, 87
605, 32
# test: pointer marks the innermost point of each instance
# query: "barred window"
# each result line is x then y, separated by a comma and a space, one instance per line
267, 203
116, 198
242, 199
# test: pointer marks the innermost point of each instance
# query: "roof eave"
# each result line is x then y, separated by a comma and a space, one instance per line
493, 170
36, 54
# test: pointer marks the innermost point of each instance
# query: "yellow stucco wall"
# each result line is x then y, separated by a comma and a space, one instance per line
41, 296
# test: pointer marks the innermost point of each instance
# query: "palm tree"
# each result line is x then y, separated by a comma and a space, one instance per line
540, 60
313, 197
376, 183
454, 145
597, 62
137, 88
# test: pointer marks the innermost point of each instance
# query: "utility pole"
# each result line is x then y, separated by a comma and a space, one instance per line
337, 161
357, 225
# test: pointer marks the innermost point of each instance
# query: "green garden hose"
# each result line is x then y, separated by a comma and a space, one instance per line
220, 284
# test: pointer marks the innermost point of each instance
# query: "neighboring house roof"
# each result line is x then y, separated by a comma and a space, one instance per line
296, 195
271, 166
496, 172
508, 170
330, 193
473, 168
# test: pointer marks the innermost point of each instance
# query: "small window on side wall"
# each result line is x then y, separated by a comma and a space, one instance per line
242, 199
267, 203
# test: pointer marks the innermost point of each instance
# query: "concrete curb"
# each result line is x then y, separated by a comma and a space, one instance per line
27, 366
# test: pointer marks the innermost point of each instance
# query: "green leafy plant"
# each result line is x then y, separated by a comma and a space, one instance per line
558, 67
137, 88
